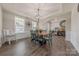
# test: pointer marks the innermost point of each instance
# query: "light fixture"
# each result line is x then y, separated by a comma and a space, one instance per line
38, 16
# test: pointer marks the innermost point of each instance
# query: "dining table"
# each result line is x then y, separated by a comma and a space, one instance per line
43, 33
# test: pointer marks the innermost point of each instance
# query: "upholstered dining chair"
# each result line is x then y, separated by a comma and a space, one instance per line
49, 38
36, 38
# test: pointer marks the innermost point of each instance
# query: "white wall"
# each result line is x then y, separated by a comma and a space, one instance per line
68, 27
9, 24
0, 24
75, 27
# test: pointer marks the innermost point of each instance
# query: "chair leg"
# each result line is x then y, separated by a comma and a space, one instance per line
48, 42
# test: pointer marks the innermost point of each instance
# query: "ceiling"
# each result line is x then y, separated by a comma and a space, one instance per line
30, 9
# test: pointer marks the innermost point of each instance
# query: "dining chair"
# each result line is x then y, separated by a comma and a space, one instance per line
37, 38
33, 35
49, 38
41, 40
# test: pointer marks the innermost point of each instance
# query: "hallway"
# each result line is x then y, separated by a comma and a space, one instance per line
25, 47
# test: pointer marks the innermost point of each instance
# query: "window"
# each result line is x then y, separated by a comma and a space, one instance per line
34, 25
19, 25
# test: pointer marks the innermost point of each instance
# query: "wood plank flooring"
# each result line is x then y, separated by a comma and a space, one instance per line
25, 47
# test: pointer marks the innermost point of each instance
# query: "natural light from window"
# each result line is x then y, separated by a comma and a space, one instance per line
19, 24
34, 24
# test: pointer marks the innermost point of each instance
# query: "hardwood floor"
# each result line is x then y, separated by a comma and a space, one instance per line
25, 47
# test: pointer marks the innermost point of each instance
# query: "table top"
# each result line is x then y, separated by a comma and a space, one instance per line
43, 33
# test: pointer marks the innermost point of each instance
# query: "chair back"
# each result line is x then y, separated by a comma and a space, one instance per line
50, 34
33, 35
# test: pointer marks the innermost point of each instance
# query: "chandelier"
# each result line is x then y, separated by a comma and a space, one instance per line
38, 16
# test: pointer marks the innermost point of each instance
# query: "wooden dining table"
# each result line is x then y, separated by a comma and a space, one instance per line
43, 33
